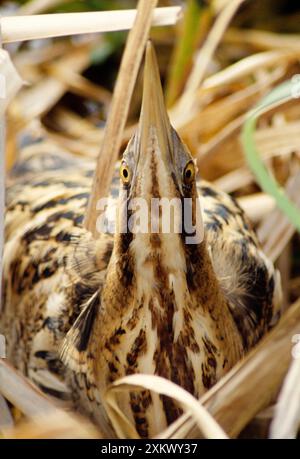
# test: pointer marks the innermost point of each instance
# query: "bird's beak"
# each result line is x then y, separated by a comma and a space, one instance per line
154, 124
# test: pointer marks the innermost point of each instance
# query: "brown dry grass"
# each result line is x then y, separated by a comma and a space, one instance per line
233, 68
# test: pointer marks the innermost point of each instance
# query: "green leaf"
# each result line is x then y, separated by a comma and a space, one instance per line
281, 94
197, 17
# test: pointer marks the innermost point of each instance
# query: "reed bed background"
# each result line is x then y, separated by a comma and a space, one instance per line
231, 76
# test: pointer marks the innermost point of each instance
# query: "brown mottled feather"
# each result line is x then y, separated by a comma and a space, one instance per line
54, 273
79, 314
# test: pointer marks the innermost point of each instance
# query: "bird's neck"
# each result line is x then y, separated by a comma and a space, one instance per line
161, 312
162, 309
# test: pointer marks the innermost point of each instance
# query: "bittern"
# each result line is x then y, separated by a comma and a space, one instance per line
80, 312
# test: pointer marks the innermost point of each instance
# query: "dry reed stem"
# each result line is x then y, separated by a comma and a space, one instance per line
257, 205
22, 28
113, 134
22, 393
6, 419
262, 40
247, 66
78, 84
10, 81
36, 100
161, 386
286, 421
275, 230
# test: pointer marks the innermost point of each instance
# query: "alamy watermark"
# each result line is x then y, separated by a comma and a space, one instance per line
157, 215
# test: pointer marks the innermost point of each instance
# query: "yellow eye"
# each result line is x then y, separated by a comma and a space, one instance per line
125, 174
189, 173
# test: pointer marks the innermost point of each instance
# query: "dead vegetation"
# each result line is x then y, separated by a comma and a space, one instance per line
233, 57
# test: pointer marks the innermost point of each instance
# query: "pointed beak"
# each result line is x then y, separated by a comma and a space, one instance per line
154, 120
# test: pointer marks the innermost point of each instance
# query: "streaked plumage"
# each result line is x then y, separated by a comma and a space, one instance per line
142, 303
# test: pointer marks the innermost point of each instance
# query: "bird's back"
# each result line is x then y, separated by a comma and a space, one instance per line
50, 266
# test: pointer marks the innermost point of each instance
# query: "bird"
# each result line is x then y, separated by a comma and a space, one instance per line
80, 312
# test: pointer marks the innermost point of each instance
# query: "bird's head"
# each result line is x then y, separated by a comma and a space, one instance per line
156, 163
159, 206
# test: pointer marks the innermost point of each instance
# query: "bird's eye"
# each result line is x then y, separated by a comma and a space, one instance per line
189, 173
125, 173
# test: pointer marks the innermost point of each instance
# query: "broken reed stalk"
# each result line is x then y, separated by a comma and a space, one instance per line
112, 139
21, 28
250, 386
